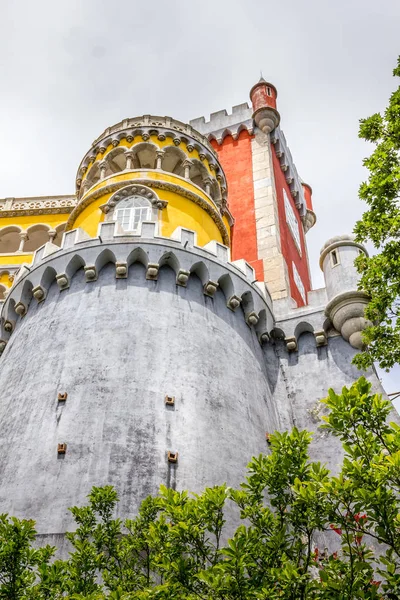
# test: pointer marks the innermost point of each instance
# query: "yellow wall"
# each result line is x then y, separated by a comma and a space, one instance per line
15, 259
91, 216
155, 175
25, 221
180, 212
9, 260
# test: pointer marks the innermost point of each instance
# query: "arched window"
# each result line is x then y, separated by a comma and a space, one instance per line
132, 211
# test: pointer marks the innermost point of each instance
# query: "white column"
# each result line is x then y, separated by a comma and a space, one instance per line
159, 155
103, 167
129, 160
187, 165
23, 236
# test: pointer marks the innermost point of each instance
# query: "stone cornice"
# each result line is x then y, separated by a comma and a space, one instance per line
151, 183
146, 126
154, 122
40, 205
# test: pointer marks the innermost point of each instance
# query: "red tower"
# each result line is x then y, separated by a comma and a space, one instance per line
271, 206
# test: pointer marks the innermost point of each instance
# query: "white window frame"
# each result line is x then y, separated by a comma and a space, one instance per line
292, 221
336, 253
299, 283
131, 217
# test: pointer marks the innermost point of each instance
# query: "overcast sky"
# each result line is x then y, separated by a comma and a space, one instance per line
70, 69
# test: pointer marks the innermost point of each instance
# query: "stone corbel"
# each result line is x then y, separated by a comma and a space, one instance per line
320, 338
233, 302
39, 293
251, 318
90, 273
210, 288
152, 271
121, 270
182, 277
20, 309
8, 326
291, 344
264, 337
62, 281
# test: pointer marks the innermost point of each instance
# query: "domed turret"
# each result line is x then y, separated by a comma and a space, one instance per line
263, 97
346, 303
173, 175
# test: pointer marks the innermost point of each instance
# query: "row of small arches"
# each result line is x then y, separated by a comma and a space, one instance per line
15, 239
146, 155
169, 260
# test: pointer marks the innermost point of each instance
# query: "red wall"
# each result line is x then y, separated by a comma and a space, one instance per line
289, 248
236, 160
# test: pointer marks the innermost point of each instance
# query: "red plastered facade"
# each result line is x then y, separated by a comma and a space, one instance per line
236, 161
288, 245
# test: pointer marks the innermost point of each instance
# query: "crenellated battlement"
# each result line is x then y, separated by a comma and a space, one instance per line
222, 124
209, 263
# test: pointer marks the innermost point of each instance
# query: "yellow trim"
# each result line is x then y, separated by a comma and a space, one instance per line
150, 174
26, 221
15, 259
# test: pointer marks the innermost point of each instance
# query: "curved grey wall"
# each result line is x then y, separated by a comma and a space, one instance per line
117, 347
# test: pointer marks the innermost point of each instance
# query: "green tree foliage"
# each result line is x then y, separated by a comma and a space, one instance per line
291, 509
380, 224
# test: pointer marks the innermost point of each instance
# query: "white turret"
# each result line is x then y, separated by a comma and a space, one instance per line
346, 303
